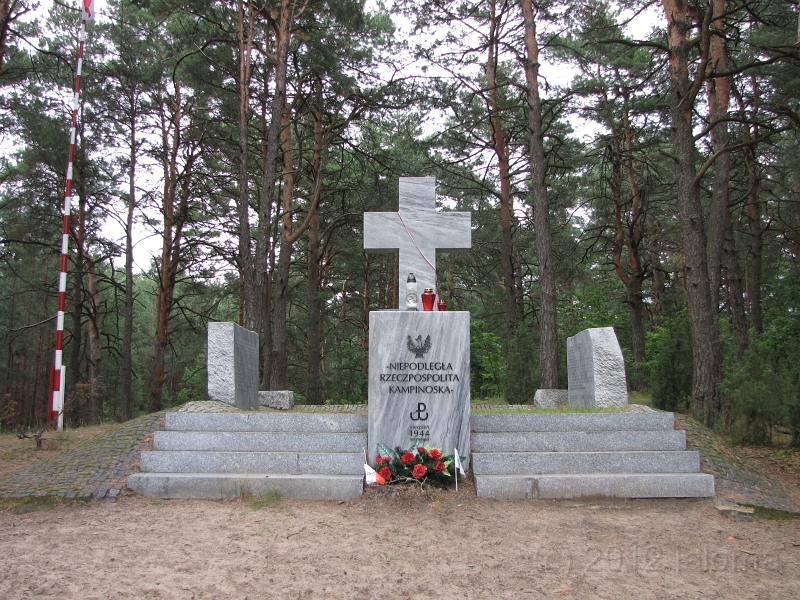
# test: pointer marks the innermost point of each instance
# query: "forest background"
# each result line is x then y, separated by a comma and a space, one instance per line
656, 192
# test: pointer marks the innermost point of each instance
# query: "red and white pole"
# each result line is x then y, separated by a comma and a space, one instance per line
58, 375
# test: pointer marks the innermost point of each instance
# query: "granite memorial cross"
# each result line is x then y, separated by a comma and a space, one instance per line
418, 361
432, 231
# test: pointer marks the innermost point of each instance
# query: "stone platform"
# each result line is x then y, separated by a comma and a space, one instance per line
214, 455
577, 455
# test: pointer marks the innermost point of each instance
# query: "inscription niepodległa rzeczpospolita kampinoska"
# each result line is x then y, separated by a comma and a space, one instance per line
418, 361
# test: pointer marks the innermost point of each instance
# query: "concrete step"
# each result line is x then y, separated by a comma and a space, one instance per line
577, 441
649, 421
275, 422
563, 463
295, 463
259, 441
625, 485
216, 486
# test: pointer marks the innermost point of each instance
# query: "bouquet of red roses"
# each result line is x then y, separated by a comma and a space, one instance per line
423, 463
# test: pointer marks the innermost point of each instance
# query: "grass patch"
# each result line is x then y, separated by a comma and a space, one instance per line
271, 499
645, 398
21, 506
772, 514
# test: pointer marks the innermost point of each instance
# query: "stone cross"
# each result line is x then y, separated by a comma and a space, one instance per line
433, 231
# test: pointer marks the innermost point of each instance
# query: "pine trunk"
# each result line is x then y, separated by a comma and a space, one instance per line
548, 315
126, 406
273, 329
95, 393
704, 335
500, 147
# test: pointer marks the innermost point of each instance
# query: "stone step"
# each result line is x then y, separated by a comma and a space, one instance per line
563, 463
649, 421
265, 421
216, 486
578, 441
259, 441
296, 463
624, 485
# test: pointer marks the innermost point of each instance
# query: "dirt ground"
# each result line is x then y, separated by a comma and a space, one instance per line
394, 543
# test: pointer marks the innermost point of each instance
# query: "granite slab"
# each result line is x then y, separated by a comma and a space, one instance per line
419, 388
233, 365
596, 369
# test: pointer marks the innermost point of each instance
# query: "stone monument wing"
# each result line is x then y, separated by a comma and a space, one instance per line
596, 369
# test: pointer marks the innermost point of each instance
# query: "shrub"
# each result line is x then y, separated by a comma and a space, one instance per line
670, 363
752, 392
524, 368
487, 363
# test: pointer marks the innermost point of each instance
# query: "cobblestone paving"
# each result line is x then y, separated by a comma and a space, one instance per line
736, 479
95, 469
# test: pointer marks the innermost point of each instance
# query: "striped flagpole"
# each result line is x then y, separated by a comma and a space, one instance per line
58, 375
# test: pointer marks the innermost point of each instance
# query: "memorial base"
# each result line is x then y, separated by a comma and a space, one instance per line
419, 388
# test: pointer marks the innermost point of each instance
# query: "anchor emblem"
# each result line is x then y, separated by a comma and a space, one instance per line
420, 408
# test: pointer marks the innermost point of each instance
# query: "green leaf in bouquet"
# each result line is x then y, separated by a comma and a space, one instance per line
384, 450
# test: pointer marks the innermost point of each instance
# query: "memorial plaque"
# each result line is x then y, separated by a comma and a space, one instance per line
419, 380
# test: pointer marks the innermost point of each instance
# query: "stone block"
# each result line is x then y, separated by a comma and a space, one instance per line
552, 487
258, 441
266, 421
563, 463
216, 486
621, 421
326, 463
233, 365
419, 386
577, 441
596, 369
281, 399
551, 398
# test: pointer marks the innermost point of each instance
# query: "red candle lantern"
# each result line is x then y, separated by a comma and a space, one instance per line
428, 298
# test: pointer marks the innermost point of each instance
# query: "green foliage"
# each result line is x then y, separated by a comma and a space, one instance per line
792, 416
344, 380
754, 392
193, 383
487, 363
270, 499
670, 363
524, 374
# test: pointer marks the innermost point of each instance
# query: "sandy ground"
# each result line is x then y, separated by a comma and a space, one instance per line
395, 544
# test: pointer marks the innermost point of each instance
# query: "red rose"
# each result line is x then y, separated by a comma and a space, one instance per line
407, 458
421, 451
379, 460
386, 473
419, 471
439, 466
435, 454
